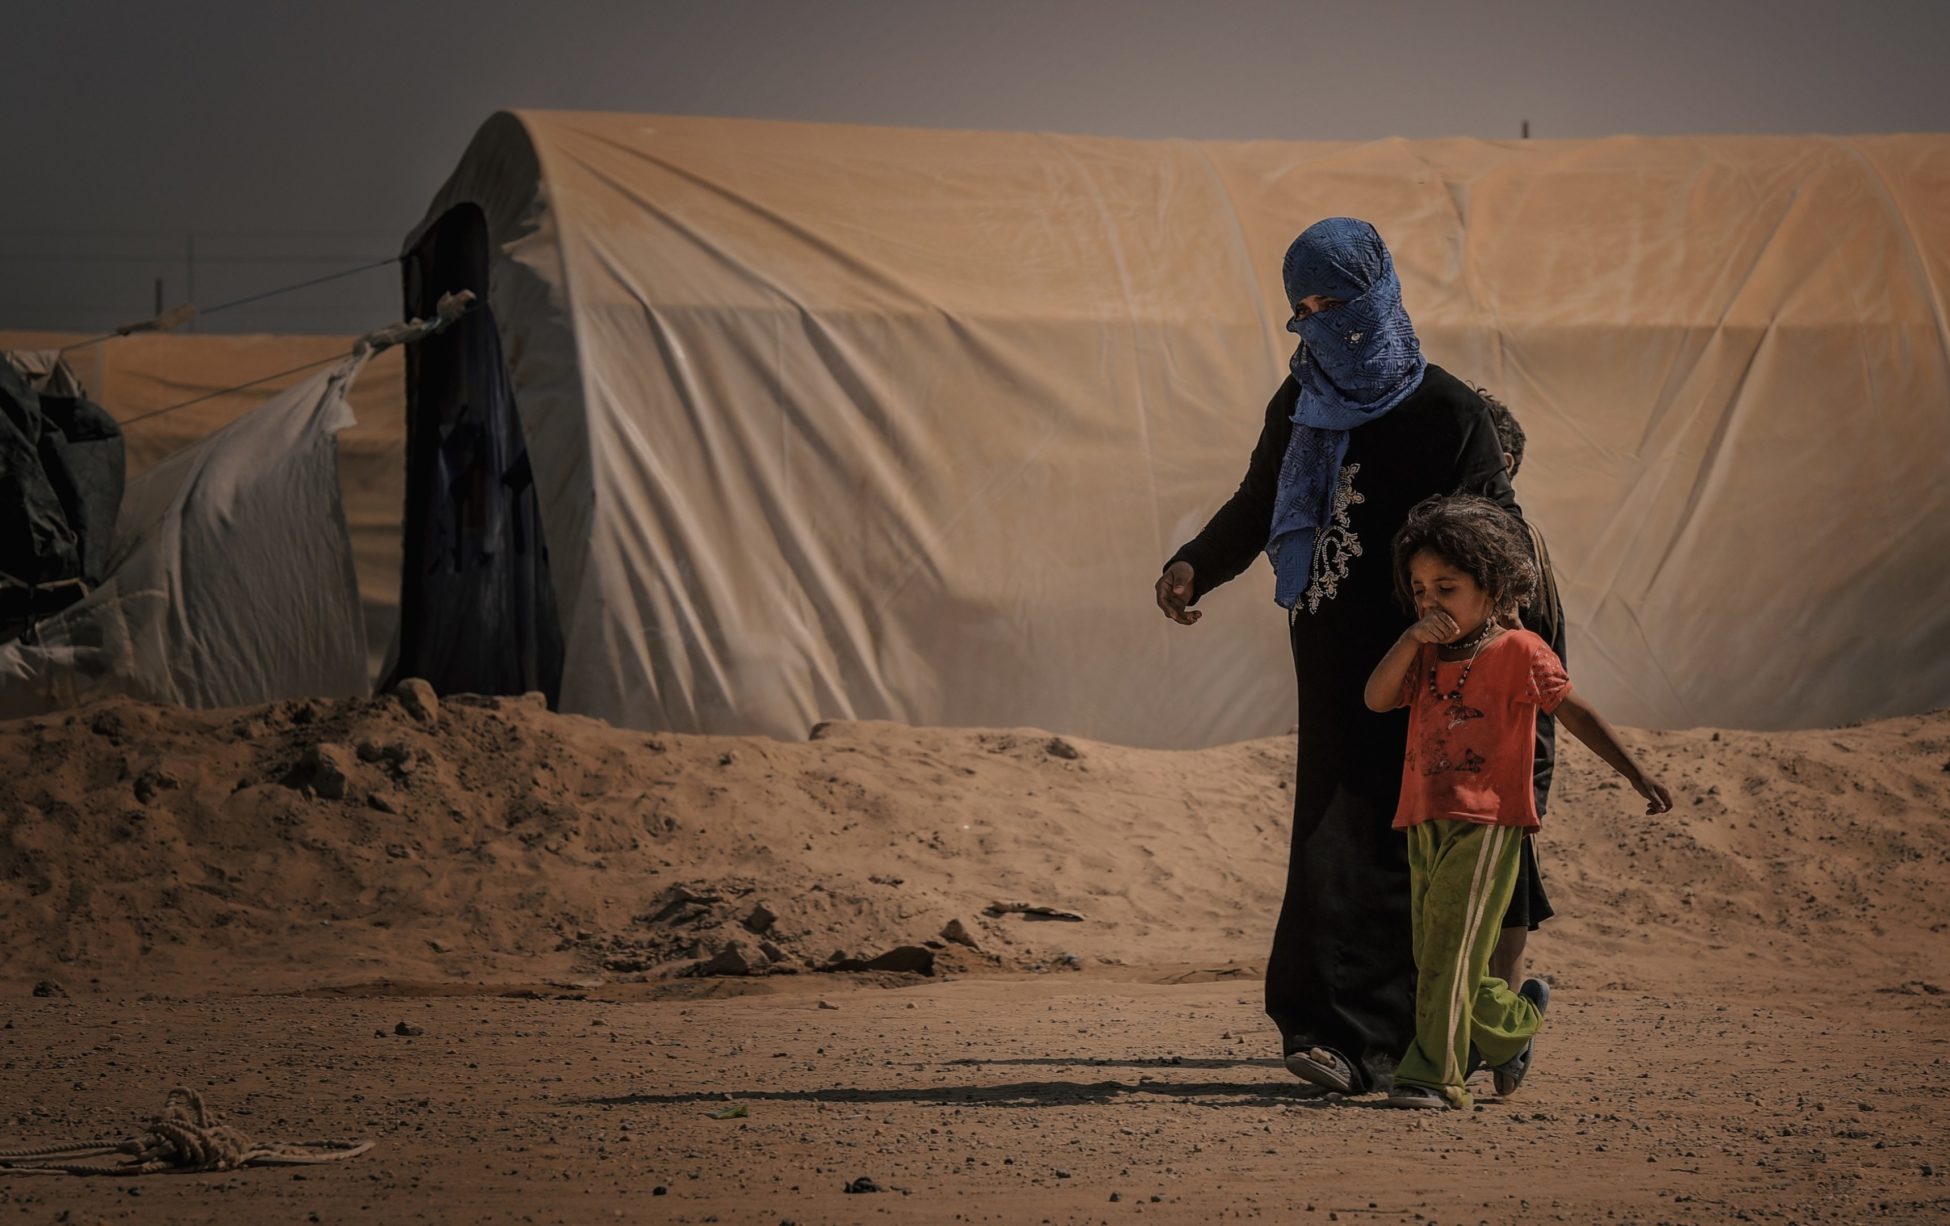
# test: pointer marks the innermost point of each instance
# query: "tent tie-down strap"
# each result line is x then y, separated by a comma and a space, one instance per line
451, 307
185, 1137
176, 316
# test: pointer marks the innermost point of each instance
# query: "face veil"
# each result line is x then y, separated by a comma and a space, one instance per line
1356, 361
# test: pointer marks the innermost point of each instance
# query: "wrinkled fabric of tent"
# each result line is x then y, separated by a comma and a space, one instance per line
231, 579
873, 423
135, 376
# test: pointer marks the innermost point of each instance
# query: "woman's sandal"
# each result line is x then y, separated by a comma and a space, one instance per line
1406, 1095
1323, 1067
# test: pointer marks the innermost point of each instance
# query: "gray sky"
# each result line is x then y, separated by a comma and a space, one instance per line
281, 142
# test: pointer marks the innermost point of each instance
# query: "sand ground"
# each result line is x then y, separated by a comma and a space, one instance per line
608, 940
1074, 1098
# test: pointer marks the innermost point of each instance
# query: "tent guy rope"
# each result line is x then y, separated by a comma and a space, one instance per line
176, 316
187, 1136
451, 307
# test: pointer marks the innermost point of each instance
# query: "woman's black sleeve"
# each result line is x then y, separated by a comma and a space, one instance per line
1237, 533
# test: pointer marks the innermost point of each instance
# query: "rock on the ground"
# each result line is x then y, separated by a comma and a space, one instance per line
416, 695
325, 768
730, 960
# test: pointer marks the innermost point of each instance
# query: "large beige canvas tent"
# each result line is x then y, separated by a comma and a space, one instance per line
828, 422
853, 422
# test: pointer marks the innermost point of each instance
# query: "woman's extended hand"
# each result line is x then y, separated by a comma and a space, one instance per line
1174, 591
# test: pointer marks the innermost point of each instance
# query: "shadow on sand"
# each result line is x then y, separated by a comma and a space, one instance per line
1047, 1093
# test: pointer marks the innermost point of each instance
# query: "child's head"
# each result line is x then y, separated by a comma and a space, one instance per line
1465, 555
1508, 433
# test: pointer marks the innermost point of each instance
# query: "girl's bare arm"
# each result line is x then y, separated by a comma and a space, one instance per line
1384, 690
1590, 727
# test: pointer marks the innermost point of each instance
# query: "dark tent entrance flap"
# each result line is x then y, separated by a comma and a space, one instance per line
477, 608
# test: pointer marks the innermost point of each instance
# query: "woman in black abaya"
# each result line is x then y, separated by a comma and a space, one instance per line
1362, 430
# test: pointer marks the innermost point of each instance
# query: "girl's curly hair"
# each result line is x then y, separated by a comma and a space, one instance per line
1477, 537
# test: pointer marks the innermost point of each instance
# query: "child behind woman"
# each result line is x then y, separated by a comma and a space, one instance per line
1473, 688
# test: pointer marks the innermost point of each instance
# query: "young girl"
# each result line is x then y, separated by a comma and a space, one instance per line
1473, 688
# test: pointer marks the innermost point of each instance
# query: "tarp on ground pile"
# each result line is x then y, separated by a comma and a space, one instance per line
855, 422
231, 578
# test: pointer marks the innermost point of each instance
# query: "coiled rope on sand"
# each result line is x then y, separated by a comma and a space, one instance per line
185, 1137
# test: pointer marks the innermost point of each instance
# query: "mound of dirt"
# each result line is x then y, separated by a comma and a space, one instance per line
471, 840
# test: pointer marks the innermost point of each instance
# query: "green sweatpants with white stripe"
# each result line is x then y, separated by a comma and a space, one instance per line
1460, 878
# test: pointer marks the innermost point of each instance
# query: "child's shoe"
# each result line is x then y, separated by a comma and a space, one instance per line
1510, 1074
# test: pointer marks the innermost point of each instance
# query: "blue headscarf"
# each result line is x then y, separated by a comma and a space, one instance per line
1355, 362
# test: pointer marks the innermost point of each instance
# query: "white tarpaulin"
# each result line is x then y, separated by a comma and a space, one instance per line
231, 580
133, 376
854, 422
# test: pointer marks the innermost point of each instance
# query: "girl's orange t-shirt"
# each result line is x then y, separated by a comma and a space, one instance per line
1469, 758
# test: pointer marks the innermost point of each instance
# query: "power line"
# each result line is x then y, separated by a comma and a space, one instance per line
173, 235
237, 302
182, 314
177, 258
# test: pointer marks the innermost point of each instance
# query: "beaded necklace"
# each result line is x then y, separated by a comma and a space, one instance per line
1483, 636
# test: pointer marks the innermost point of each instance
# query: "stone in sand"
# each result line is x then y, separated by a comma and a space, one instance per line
730, 960
325, 768
416, 695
